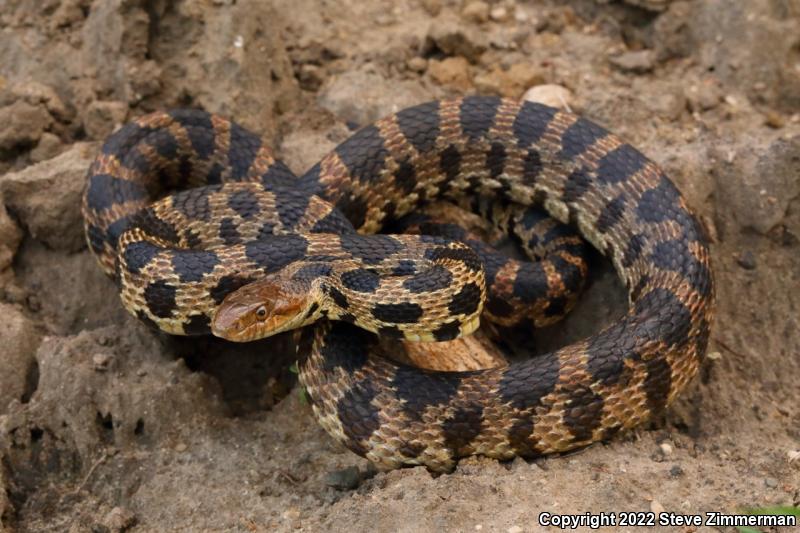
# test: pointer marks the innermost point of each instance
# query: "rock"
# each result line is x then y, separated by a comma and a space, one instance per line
101, 361
69, 12
144, 79
549, 94
636, 62
49, 146
756, 178
113, 39
67, 289
292, 513
747, 260
476, 11
558, 19
363, 96
301, 149
46, 197
668, 103
676, 471
310, 76
20, 340
6, 507
200, 63
755, 43
10, 237
101, 118
499, 14
76, 395
451, 72
771, 482
773, 119
36, 93
522, 17
345, 479
119, 519
650, 5
417, 64
656, 507
452, 39
672, 34
704, 95
433, 7
22, 125
385, 19
666, 448
510, 83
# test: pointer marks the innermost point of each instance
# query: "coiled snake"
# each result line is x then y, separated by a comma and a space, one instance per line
177, 260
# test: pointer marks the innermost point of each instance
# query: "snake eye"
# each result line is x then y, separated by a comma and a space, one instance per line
261, 313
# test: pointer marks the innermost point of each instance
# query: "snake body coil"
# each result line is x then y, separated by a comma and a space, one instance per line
477, 147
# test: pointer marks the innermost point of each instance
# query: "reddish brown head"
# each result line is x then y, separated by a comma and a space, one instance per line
263, 308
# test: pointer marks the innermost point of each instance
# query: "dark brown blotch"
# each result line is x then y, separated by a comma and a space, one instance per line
420, 125
460, 429
584, 413
160, 298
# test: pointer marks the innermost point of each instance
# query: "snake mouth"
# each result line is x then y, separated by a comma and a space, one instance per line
230, 323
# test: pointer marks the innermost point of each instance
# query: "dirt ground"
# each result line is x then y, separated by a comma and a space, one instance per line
106, 426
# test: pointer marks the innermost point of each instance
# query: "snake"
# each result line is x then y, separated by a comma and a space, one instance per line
297, 242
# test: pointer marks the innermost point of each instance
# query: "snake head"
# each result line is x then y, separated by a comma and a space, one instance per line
263, 308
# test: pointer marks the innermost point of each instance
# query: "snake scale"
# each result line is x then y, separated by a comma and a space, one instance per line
174, 271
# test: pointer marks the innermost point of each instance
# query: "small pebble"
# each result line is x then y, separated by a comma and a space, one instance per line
498, 14
549, 94
676, 471
666, 448
656, 507
310, 76
433, 7
180, 447
514, 529
100, 361
747, 260
33, 303
636, 62
417, 64
771, 482
476, 12
49, 146
773, 119
451, 71
704, 96
345, 479
385, 19
119, 519
292, 513
518, 463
